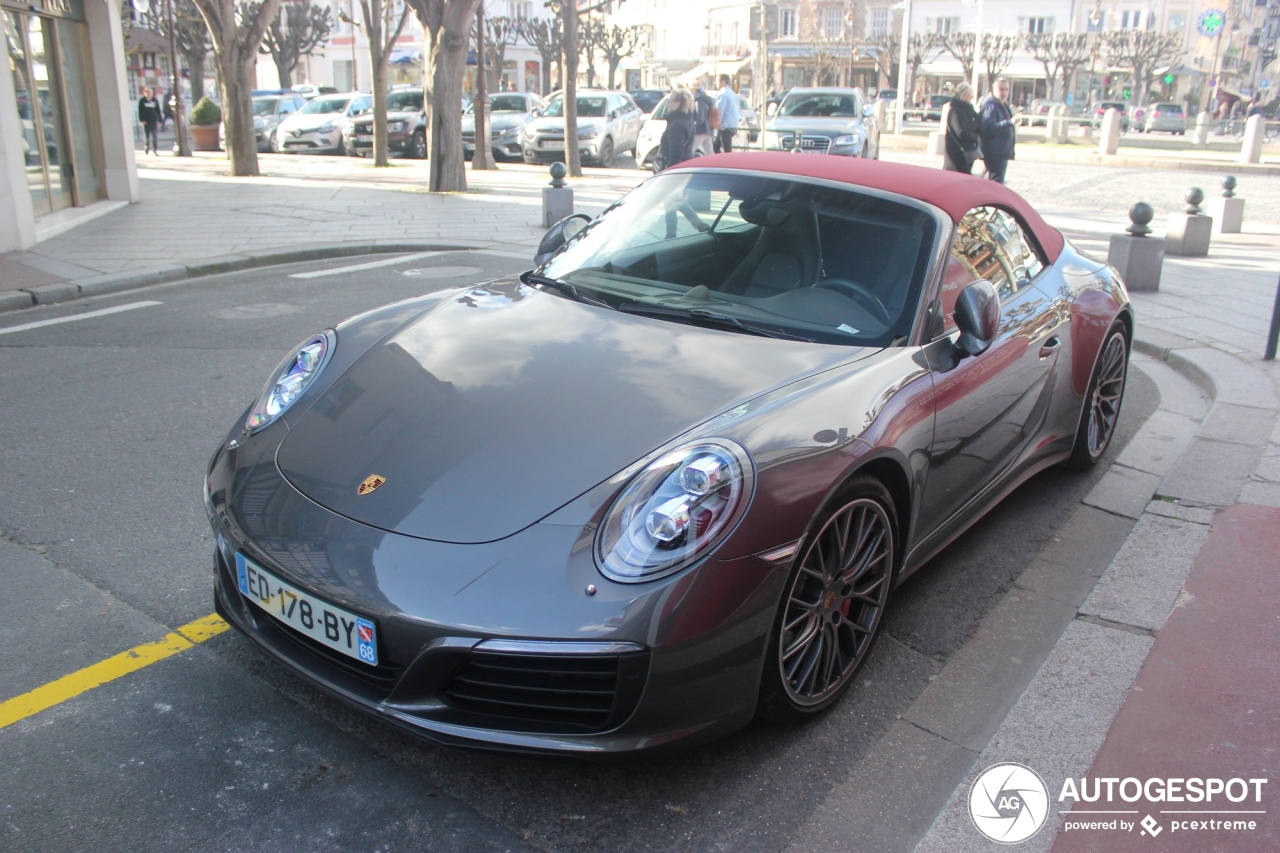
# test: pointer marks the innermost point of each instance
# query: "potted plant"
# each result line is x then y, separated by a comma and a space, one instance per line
205, 118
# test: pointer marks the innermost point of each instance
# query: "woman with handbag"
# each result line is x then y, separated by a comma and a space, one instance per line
676, 145
963, 133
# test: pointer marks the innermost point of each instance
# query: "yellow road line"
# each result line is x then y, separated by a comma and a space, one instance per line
95, 675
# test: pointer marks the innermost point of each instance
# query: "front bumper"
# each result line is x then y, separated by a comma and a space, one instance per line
311, 141
687, 649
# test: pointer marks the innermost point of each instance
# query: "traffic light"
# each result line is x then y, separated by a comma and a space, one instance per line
1168, 78
1127, 93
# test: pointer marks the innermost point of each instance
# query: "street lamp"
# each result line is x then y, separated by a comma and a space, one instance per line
902, 67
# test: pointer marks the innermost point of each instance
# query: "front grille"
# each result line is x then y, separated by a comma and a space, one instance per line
547, 693
363, 128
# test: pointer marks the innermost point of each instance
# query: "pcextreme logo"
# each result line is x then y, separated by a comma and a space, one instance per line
1009, 803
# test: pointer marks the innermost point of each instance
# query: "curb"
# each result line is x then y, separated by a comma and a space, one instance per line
100, 285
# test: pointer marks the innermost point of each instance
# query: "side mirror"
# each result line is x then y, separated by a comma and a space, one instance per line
771, 110
559, 234
977, 316
868, 110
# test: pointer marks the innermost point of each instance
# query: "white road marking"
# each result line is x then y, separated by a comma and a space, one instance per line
85, 316
399, 259
499, 253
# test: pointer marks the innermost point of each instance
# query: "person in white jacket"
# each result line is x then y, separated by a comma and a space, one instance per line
727, 103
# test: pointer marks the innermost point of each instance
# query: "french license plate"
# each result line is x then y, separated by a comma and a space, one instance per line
339, 629
554, 144
363, 137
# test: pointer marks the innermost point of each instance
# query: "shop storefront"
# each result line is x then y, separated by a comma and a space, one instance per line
53, 136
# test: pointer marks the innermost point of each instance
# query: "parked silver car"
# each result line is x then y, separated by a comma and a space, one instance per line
509, 112
608, 122
268, 112
825, 120
318, 126
1166, 117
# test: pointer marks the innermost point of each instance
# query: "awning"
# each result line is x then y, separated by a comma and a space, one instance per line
1021, 67
1178, 71
405, 57
730, 65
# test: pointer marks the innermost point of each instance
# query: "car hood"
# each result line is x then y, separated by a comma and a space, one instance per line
836, 126
556, 125
497, 121
502, 403
299, 121
410, 116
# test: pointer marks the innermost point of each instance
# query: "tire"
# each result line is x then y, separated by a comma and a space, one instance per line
817, 645
606, 153
418, 148
1102, 402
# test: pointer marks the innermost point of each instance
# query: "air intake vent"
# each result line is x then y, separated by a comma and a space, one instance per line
560, 693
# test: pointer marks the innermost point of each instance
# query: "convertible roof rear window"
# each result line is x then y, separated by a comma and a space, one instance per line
823, 263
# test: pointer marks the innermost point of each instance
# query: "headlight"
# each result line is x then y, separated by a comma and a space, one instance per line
260, 122
395, 127
510, 132
674, 511
845, 140
589, 133
327, 127
289, 380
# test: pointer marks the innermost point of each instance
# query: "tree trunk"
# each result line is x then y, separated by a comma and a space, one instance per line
613, 72
380, 111
546, 77
447, 173
195, 64
284, 71
569, 68
482, 159
237, 112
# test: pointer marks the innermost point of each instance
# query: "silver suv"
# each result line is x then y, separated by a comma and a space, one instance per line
608, 122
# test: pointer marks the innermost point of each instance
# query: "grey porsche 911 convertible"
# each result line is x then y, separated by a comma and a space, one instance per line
668, 479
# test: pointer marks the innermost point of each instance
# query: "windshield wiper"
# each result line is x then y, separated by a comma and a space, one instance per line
711, 318
566, 288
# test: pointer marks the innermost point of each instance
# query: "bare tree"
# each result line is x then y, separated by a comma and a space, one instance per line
236, 29
961, 46
1140, 51
997, 53
591, 39
383, 23
447, 25
499, 34
1060, 54
886, 50
545, 34
826, 51
295, 32
192, 37
618, 44
568, 11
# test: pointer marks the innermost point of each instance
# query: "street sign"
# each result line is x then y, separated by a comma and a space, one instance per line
1264, 83
1211, 22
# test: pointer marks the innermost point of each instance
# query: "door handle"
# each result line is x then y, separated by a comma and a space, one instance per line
1050, 347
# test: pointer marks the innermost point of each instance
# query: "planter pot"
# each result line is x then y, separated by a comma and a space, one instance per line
204, 137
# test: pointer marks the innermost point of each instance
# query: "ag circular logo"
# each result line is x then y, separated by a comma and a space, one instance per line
1211, 22
1008, 803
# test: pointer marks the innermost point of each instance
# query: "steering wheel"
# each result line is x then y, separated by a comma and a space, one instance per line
858, 294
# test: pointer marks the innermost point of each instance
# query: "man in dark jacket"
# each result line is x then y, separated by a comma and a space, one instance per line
997, 130
149, 115
702, 129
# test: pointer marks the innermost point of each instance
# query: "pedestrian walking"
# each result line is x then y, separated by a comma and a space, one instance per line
962, 141
706, 114
149, 114
730, 112
998, 135
168, 111
676, 144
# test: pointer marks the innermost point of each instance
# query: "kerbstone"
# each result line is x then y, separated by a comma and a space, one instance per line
115, 282
1159, 443
1181, 512
1233, 380
1124, 491
14, 300
1088, 542
1143, 582
48, 294
1239, 424
1211, 472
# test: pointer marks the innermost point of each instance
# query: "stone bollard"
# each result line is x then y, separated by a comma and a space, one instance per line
882, 114
1227, 210
557, 199
1200, 136
1187, 233
938, 139
1254, 135
1057, 125
1138, 258
1109, 139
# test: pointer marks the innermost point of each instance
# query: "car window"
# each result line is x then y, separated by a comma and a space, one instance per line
660, 111
323, 106
819, 104
507, 104
405, 100
359, 105
990, 244
265, 106
288, 106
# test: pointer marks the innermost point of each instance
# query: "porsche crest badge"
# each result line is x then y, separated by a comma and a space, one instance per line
370, 483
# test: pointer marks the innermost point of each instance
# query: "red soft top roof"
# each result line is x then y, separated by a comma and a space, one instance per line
952, 192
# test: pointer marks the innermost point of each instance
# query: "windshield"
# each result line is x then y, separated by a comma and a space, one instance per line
819, 104
588, 107
325, 105
507, 104
831, 265
407, 101
265, 106
1169, 108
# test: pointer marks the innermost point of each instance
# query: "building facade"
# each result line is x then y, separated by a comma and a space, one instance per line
66, 139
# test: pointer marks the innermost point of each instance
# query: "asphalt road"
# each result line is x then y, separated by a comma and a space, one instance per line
108, 424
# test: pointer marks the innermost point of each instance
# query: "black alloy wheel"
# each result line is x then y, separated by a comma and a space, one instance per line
1102, 402
835, 601
419, 149
606, 153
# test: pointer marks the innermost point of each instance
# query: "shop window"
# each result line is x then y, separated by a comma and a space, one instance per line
879, 22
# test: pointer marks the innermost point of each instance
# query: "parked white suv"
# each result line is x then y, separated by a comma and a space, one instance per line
608, 122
